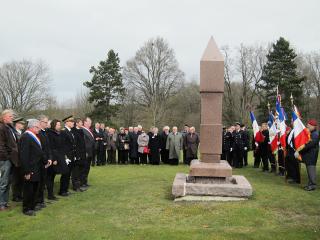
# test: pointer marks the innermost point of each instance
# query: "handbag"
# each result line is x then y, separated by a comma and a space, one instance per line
146, 150
126, 146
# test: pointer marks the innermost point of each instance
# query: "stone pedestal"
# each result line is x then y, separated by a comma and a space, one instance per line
211, 178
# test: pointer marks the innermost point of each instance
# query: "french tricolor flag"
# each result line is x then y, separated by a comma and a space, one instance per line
273, 135
301, 133
258, 136
282, 124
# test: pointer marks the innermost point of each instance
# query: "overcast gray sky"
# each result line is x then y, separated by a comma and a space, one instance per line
72, 35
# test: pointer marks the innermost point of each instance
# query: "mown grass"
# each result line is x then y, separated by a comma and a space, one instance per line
134, 202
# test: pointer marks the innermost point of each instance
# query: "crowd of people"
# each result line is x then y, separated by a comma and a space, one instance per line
32, 153
236, 144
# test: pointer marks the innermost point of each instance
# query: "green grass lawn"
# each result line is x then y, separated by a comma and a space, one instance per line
134, 202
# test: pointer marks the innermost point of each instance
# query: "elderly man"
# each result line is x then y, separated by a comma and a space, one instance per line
310, 153
191, 144
8, 155
163, 141
174, 145
31, 156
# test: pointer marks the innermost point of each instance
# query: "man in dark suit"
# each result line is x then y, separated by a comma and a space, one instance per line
31, 157
238, 146
17, 174
70, 152
46, 160
245, 144
90, 150
81, 155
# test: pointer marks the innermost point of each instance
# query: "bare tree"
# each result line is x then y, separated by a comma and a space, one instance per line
24, 85
155, 75
249, 66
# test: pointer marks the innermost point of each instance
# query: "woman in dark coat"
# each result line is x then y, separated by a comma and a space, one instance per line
123, 147
154, 146
191, 144
59, 165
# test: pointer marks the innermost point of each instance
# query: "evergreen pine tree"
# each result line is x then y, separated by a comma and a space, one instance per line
280, 70
106, 87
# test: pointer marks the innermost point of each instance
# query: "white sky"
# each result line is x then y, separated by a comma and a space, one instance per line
72, 35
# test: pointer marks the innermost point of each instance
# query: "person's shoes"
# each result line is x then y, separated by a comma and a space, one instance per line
17, 199
53, 198
29, 213
310, 188
37, 208
3, 208
64, 194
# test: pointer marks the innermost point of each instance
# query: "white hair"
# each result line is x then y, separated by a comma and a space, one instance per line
33, 123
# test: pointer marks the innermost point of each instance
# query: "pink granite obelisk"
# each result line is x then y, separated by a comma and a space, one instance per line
210, 176
211, 90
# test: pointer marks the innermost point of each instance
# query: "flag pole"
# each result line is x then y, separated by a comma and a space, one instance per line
292, 105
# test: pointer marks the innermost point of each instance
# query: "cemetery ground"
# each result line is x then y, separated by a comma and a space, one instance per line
135, 202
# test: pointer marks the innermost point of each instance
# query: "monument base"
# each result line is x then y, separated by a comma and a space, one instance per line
210, 182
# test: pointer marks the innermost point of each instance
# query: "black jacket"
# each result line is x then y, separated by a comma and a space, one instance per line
45, 146
89, 143
31, 156
57, 149
122, 137
133, 145
163, 140
310, 151
80, 144
69, 144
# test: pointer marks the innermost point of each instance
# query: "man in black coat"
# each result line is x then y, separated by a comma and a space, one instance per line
133, 146
100, 148
70, 152
309, 154
245, 144
184, 135
47, 160
238, 146
163, 141
229, 139
31, 157
292, 165
264, 147
89, 141
79, 165
154, 146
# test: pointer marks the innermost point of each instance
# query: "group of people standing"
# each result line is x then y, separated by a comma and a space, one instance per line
236, 143
34, 152
136, 146
31, 158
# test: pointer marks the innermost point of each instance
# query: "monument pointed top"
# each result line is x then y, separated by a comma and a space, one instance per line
212, 52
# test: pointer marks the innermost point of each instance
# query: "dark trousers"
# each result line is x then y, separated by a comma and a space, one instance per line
265, 162
311, 171
111, 156
65, 179
257, 159
50, 182
17, 182
245, 157
41, 187
281, 163
154, 158
184, 156
272, 160
174, 161
143, 158
100, 153
104, 155
292, 167
224, 155
123, 156
84, 171
238, 158
30, 190
230, 158
75, 175
164, 156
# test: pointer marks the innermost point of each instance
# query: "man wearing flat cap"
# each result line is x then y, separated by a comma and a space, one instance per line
17, 173
309, 154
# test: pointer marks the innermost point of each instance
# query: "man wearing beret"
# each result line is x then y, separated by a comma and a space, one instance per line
309, 154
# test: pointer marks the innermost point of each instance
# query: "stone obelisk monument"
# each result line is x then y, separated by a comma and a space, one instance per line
211, 176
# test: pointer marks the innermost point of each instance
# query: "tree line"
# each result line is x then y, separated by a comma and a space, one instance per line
151, 89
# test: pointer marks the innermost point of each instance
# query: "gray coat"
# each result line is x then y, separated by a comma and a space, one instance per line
174, 145
143, 141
